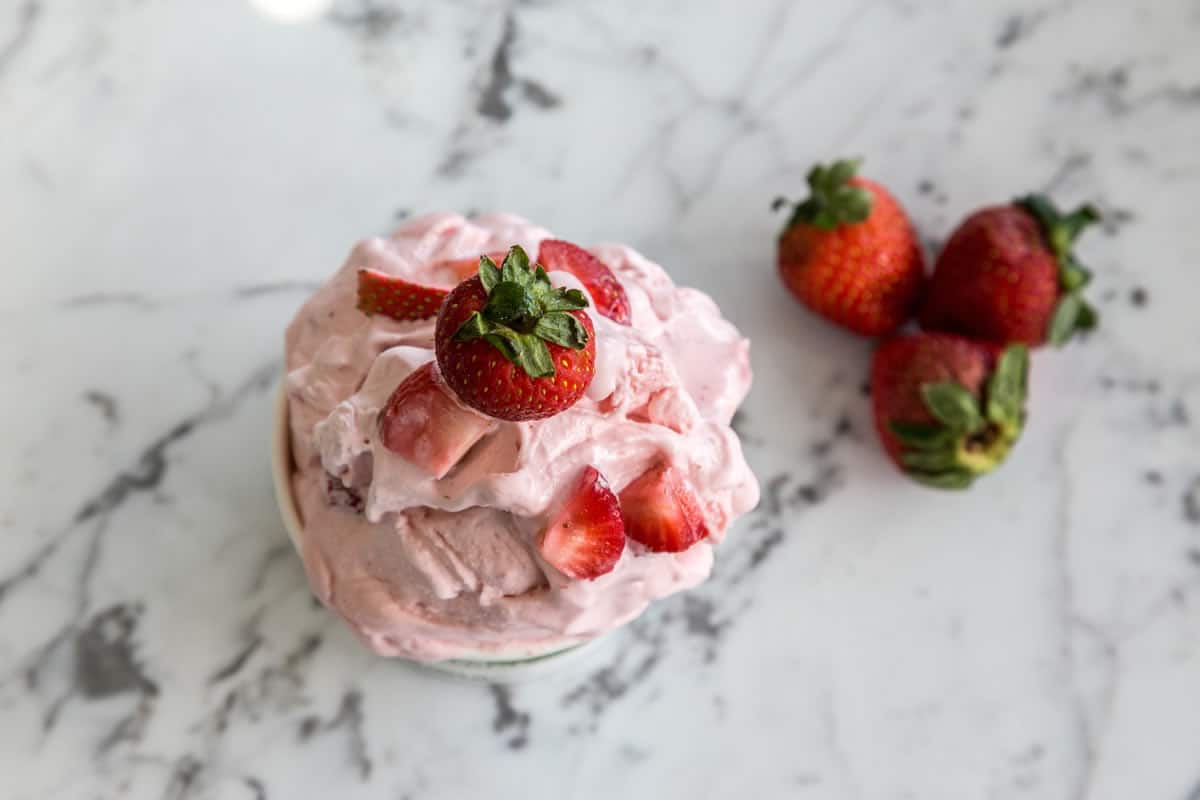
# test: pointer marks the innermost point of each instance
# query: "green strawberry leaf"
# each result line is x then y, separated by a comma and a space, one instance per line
839, 173
917, 436
489, 274
1006, 387
1065, 320
515, 268
832, 199
562, 329
1077, 222
564, 300
952, 405
474, 327
512, 304
1060, 232
930, 461
523, 349
1088, 317
1072, 276
951, 479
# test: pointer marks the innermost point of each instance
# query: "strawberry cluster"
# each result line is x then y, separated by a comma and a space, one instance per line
949, 401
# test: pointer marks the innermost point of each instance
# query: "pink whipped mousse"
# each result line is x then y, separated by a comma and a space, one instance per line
436, 569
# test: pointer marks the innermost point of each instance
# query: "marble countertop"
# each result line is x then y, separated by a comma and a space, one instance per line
176, 176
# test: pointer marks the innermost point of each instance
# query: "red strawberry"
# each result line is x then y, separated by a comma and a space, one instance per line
511, 345
850, 253
948, 409
423, 423
1008, 275
662, 512
586, 537
598, 279
380, 293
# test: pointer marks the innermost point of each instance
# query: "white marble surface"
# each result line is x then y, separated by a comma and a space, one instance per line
175, 175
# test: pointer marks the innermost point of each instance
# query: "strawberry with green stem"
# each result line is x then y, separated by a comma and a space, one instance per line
849, 252
948, 409
1009, 274
513, 346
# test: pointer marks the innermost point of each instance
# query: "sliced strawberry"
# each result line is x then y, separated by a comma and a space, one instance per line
598, 279
380, 293
422, 423
662, 512
586, 537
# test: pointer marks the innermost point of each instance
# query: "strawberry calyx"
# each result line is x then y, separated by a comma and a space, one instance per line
833, 200
524, 312
1073, 313
968, 438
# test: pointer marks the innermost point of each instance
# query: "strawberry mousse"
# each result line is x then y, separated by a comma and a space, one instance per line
503, 444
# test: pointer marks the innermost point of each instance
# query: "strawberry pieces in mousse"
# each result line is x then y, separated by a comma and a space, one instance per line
586, 537
424, 424
380, 293
607, 292
662, 511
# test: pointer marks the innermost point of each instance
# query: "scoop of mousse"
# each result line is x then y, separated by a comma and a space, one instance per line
441, 522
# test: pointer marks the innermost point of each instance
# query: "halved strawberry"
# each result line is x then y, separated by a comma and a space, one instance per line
586, 537
380, 293
422, 423
598, 279
662, 511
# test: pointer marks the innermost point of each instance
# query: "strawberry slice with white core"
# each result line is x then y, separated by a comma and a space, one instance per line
586, 537
380, 293
598, 279
422, 423
662, 511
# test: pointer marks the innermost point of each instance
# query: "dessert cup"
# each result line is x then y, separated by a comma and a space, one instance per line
454, 533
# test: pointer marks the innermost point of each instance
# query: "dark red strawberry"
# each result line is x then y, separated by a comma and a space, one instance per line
586, 537
1008, 274
850, 254
424, 424
596, 277
948, 409
662, 511
380, 293
511, 345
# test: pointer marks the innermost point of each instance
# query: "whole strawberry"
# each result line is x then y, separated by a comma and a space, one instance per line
948, 409
511, 345
1007, 274
850, 254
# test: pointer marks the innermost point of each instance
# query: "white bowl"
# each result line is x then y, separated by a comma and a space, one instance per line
519, 661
